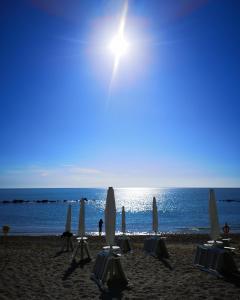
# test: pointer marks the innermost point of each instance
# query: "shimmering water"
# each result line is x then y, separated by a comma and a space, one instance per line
180, 210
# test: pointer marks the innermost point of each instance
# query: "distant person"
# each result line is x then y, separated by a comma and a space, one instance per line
100, 223
226, 229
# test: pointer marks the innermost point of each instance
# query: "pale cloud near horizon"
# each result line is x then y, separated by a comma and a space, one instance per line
70, 175
47, 171
34, 175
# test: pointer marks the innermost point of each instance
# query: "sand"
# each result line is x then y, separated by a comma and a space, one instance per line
33, 268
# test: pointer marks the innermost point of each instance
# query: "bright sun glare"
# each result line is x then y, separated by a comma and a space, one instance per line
118, 46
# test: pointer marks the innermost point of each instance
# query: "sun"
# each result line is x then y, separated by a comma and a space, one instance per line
119, 46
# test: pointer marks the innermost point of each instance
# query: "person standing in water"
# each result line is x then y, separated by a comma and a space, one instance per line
100, 223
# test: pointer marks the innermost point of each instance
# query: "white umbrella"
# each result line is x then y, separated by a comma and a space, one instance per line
155, 216
81, 224
69, 219
213, 215
123, 221
110, 217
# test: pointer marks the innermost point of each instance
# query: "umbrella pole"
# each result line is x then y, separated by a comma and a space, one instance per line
81, 245
110, 249
111, 262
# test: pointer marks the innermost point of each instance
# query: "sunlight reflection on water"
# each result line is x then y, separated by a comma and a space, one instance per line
140, 199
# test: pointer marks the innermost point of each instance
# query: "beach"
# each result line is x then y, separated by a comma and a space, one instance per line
34, 268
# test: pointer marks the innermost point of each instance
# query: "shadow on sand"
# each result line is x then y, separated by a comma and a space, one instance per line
166, 263
5, 259
111, 295
4, 263
114, 291
61, 252
74, 265
233, 279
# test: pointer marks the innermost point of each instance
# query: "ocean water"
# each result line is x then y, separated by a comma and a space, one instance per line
180, 210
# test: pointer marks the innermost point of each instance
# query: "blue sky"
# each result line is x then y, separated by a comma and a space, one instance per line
170, 117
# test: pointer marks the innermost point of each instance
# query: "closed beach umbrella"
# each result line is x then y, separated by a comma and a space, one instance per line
81, 224
69, 219
213, 215
155, 216
123, 221
110, 217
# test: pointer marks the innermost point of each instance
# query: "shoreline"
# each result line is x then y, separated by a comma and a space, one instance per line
170, 235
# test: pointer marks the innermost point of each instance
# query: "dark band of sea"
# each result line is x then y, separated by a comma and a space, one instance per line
180, 210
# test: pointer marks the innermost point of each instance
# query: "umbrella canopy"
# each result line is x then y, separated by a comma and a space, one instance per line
213, 215
110, 217
81, 224
155, 216
123, 221
69, 219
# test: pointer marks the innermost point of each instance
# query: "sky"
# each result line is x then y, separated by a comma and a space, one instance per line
168, 116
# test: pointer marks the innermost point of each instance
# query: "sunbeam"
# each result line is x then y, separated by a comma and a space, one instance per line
119, 46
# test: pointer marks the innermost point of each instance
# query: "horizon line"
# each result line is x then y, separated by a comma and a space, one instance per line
146, 187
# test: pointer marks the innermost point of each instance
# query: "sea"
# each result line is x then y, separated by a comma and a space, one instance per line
42, 211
